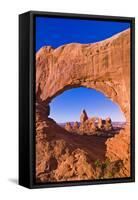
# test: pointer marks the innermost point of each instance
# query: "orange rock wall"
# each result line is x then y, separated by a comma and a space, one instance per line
104, 66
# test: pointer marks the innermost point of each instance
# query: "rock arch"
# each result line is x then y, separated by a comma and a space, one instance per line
104, 66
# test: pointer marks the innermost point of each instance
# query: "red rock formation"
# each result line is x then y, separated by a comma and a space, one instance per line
88, 127
58, 157
83, 116
108, 124
76, 126
61, 156
68, 127
118, 148
100, 124
104, 66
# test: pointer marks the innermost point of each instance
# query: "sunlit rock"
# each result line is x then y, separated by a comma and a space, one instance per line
83, 116
68, 126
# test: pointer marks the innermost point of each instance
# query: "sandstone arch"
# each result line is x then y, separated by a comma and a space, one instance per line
104, 66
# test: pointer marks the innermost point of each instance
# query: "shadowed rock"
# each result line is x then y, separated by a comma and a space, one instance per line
76, 126
83, 116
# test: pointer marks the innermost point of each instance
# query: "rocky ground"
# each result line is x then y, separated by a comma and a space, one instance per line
64, 156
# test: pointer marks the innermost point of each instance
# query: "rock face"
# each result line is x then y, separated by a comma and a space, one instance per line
68, 127
100, 124
61, 156
87, 125
118, 148
108, 124
75, 126
58, 158
83, 116
90, 126
104, 66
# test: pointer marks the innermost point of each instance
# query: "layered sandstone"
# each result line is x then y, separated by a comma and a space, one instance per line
104, 66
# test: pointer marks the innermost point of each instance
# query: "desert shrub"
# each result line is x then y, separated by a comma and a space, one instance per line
107, 169
97, 163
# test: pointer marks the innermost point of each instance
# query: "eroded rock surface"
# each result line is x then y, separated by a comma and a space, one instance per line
104, 66
68, 127
83, 116
90, 126
118, 148
62, 156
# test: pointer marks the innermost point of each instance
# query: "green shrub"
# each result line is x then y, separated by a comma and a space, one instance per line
97, 163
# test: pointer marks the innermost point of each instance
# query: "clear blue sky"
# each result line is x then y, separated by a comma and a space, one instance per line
68, 105
58, 31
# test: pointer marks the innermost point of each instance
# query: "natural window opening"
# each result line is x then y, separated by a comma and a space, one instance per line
86, 111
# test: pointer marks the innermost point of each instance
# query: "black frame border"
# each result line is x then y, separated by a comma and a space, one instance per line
32, 77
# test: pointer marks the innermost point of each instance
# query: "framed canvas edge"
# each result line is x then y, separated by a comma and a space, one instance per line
34, 185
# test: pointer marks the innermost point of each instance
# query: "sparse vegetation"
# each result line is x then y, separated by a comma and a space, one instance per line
97, 163
107, 169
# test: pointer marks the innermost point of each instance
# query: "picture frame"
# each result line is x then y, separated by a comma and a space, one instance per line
28, 98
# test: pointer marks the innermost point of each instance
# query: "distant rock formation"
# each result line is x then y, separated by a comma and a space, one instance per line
83, 116
90, 126
105, 125
100, 124
108, 124
75, 126
68, 127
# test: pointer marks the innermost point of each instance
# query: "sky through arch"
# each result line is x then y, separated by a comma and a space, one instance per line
67, 106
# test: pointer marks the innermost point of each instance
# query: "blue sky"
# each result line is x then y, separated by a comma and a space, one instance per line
68, 105
58, 31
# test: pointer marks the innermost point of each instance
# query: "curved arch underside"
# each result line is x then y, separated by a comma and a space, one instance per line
104, 66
